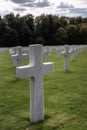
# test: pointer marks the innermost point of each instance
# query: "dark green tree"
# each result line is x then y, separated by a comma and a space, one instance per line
6, 37
61, 36
72, 33
39, 40
14, 40
42, 27
2, 29
83, 34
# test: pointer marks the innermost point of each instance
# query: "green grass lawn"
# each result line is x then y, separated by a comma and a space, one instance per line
65, 96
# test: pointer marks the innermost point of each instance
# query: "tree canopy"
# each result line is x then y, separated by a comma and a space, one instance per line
45, 29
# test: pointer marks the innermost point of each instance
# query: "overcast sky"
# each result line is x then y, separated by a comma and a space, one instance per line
69, 8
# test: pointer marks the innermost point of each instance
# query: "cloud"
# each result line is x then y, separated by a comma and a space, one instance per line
65, 5
19, 9
79, 11
44, 3
78, 8
3, 13
31, 4
38, 4
70, 10
21, 1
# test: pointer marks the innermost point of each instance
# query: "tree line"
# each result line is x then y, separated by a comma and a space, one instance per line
43, 29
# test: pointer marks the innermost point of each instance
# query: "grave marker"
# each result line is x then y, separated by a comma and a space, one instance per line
18, 57
35, 70
66, 53
73, 53
47, 52
12, 51
58, 52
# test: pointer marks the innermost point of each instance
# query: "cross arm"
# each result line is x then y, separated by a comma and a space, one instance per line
14, 56
24, 71
70, 51
48, 67
63, 53
24, 55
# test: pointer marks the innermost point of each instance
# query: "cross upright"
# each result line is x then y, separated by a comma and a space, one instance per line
35, 70
18, 57
66, 53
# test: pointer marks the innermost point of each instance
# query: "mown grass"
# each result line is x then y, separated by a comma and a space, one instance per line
65, 96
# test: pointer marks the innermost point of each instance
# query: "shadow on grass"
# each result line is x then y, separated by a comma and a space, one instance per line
51, 124
68, 72
40, 122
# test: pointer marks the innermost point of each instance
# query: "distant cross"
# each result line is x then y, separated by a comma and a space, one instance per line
58, 51
66, 53
47, 52
73, 53
18, 57
12, 51
35, 70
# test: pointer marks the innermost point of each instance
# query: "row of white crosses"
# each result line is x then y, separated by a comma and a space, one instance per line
35, 71
67, 52
17, 56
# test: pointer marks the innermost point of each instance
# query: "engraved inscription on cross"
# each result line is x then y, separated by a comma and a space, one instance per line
35, 70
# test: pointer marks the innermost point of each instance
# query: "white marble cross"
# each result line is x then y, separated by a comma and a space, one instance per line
12, 51
18, 57
35, 70
73, 53
58, 51
47, 52
66, 53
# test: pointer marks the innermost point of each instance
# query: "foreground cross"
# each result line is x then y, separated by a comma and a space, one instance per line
66, 53
35, 70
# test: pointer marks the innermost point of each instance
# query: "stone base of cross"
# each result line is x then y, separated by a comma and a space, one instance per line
35, 70
66, 53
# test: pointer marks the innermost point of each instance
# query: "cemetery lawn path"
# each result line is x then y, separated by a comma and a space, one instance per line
65, 96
